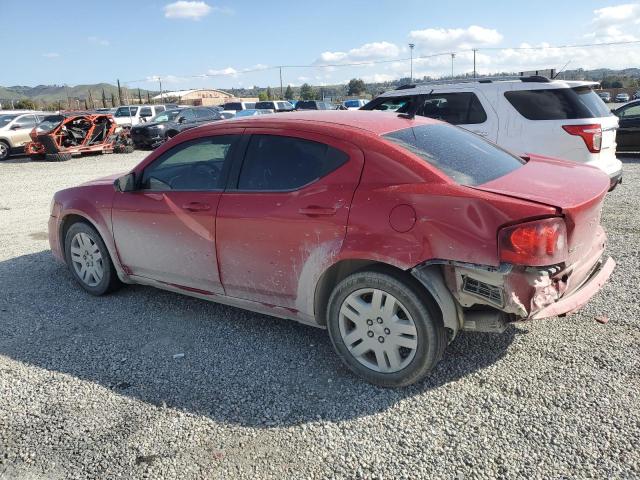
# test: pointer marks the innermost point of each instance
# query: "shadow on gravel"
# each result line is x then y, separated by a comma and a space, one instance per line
238, 367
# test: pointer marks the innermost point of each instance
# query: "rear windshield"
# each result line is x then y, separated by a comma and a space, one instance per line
463, 156
126, 111
306, 105
268, 105
233, 106
558, 103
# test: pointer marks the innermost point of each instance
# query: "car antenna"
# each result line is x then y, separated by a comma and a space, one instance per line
561, 70
411, 113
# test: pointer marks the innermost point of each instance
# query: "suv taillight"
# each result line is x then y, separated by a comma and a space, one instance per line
538, 243
591, 134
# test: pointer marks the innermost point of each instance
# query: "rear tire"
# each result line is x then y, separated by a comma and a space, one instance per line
88, 260
58, 157
394, 336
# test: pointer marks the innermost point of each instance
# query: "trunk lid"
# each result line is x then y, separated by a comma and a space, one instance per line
577, 191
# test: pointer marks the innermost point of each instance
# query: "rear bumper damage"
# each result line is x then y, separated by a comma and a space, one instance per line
487, 298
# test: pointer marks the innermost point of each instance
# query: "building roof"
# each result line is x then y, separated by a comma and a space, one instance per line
184, 93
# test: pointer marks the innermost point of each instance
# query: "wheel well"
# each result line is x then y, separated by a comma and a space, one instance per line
67, 221
341, 270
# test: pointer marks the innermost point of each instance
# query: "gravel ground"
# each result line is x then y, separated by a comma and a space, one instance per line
90, 388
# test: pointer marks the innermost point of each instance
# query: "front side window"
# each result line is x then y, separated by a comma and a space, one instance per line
464, 157
558, 103
206, 114
631, 112
196, 165
277, 163
187, 115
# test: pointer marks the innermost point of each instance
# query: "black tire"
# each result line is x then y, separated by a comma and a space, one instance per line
128, 149
109, 281
58, 157
430, 333
5, 150
37, 157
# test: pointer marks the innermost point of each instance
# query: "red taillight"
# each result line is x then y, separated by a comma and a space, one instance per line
591, 134
543, 242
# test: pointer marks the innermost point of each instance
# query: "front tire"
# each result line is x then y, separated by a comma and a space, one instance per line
385, 328
58, 157
88, 260
5, 150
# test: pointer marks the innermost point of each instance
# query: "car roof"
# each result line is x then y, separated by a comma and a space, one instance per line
374, 122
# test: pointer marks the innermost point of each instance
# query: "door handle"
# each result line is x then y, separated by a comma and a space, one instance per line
313, 211
196, 207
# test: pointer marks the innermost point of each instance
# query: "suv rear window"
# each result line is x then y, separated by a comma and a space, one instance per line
307, 105
466, 158
558, 103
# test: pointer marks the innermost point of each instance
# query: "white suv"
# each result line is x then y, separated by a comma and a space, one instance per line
15, 127
555, 118
130, 115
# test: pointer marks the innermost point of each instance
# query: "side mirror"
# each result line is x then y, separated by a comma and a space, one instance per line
126, 183
182, 120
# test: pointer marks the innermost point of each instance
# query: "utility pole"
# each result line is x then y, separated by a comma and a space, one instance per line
281, 92
474, 63
411, 45
453, 55
160, 82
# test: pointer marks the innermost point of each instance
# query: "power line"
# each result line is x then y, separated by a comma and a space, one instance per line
379, 62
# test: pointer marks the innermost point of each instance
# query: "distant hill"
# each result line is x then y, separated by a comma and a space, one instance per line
51, 94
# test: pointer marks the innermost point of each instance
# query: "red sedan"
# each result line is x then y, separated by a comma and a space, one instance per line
394, 233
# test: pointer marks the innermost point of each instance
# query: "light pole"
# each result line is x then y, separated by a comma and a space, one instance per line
453, 55
411, 45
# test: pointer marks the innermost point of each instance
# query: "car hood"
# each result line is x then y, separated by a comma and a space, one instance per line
103, 180
558, 183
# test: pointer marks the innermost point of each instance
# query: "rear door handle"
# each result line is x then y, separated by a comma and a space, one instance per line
314, 211
196, 207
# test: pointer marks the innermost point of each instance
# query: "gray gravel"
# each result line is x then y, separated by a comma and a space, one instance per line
94, 388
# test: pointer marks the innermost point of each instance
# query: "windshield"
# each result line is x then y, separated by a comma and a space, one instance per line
352, 103
466, 158
5, 119
168, 116
247, 113
124, 111
49, 123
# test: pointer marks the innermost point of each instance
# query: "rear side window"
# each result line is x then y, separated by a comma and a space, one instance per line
276, 163
558, 103
464, 157
269, 105
391, 104
462, 108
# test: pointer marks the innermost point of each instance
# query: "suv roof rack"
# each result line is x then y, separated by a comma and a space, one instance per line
531, 78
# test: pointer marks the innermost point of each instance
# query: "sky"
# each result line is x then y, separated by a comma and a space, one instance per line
240, 43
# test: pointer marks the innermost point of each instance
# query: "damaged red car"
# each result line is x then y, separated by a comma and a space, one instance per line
64, 135
392, 233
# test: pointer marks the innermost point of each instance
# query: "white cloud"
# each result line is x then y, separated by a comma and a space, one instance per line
191, 10
619, 23
51, 55
225, 71
455, 38
379, 78
367, 52
98, 41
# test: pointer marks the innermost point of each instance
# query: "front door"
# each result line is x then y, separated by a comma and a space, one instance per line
166, 229
286, 214
628, 135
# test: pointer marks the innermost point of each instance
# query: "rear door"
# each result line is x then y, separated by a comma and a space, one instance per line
21, 128
464, 108
284, 214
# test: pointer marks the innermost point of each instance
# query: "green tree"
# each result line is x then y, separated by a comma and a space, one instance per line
288, 93
262, 96
104, 99
25, 104
113, 100
269, 94
139, 97
307, 92
356, 86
